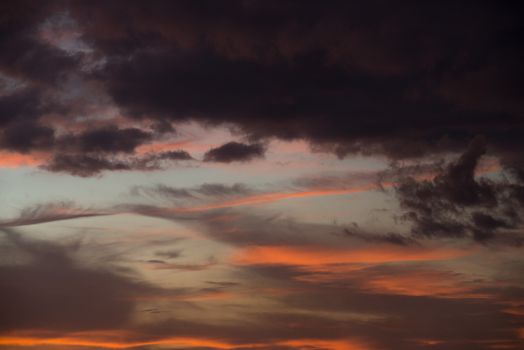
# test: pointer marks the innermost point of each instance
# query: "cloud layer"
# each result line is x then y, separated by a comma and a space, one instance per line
299, 175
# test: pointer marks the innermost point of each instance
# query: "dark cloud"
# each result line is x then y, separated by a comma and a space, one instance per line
390, 237
64, 287
25, 55
456, 203
170, 155
84, 165
205, 191
350, 78
53, 292
20, 105
93, 164
36, 68
235, 152
163, 127
24, 137
49, 212
109, 139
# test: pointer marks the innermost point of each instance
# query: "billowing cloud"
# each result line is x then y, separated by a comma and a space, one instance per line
334, 80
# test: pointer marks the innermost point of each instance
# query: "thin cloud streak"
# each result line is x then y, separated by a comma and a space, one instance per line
51, 212
315, 256
279, 196
85, 340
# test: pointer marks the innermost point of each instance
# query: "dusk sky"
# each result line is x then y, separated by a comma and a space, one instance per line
261, 174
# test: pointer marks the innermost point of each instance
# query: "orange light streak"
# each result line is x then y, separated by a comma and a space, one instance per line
314, 256
107, 344
425, 283
324, 344
80, 340
278, 196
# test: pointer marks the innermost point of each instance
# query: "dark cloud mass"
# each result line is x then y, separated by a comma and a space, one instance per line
234, 152
83, 165
369, 78
109, 139
349, 77
24, 137
86, 165
171, 155
457, 203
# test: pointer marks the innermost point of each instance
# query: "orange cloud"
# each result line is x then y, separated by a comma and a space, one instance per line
515, 307
429, 342
317, 256
328, 273
278, 196
107, 344
324, 344
161, 147
425, 283
16, 160
116, 340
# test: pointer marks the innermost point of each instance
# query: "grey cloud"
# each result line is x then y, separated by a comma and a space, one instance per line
235, 152
107, 139
53, 291
93, 164
457, 204
49, 212
204, 191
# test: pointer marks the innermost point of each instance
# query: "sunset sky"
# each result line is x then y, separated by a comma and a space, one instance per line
271, 175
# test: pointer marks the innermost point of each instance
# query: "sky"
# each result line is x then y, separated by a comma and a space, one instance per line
272, 175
